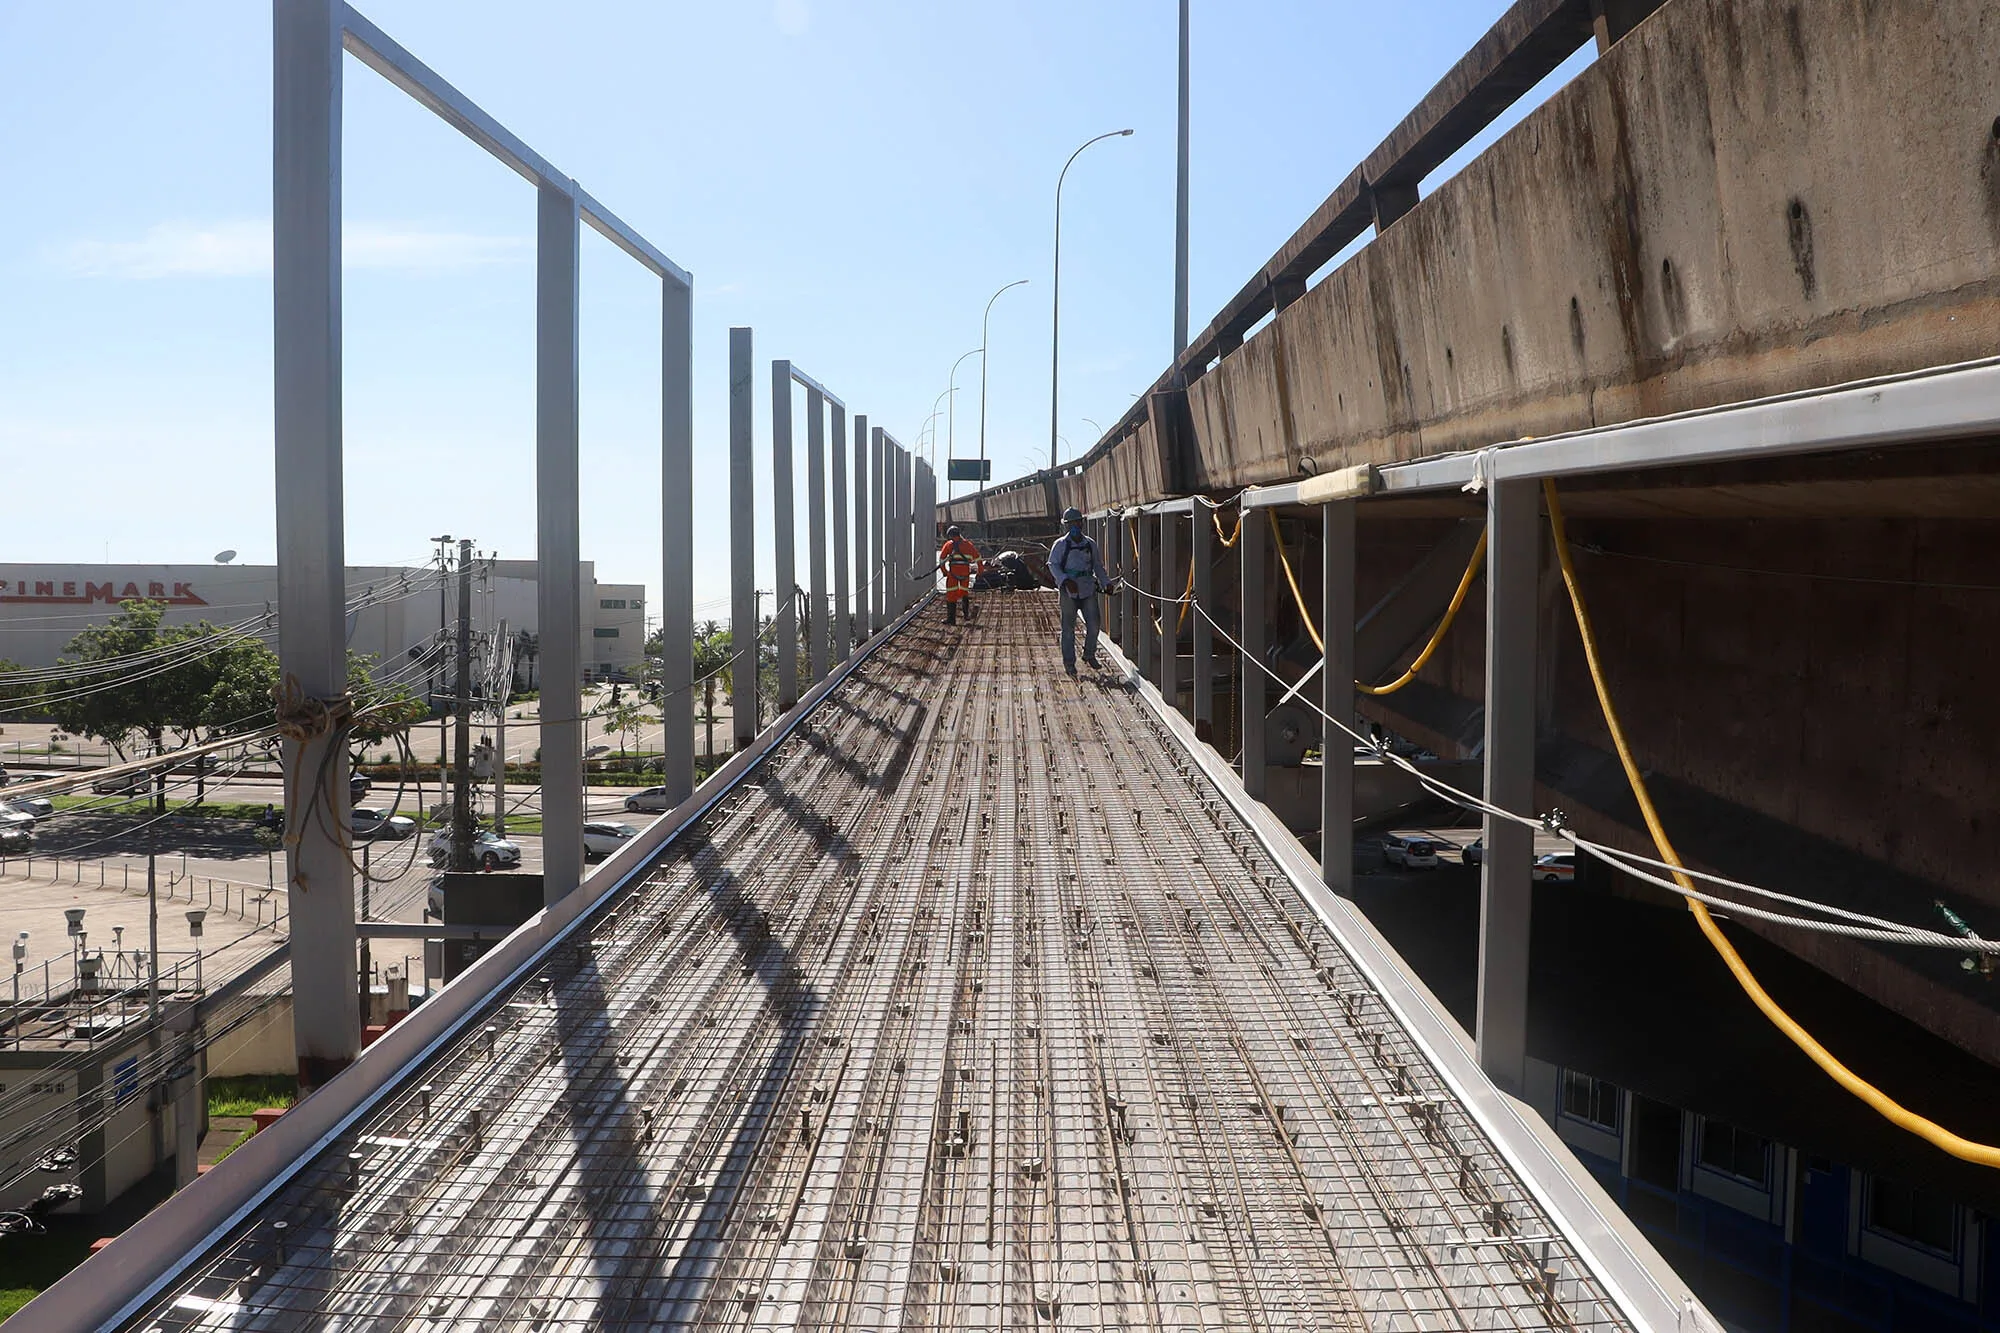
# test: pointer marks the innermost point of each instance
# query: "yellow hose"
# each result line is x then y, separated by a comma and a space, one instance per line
1187, 598
1444, 626
1285, 561
1215, 517
1897, 1114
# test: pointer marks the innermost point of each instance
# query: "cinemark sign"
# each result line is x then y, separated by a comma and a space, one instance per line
82, 592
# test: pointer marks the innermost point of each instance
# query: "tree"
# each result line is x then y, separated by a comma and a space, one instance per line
527, 649
380, 710
625, 718
173, 686
17, 696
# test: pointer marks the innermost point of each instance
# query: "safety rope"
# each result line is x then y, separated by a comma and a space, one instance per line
1965, 1149
1443, 626
1215, 517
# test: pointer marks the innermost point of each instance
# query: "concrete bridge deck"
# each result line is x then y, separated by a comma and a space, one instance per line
979, 1003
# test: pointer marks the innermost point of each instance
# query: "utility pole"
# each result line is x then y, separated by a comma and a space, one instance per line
461, 776
503, 686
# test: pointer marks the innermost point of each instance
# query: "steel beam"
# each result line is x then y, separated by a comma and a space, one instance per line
1172, 584
816, 535
1336, 751
1202, 668
864, 478
1253, 631
312, 612
843, 623
784, 558
558, 540
879, 529
742, 543
1513, 551
677, 537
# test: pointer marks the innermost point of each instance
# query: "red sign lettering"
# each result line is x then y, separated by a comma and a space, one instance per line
21, 591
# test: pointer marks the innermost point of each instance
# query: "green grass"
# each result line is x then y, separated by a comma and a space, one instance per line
253, 1092
143, 804
529, 826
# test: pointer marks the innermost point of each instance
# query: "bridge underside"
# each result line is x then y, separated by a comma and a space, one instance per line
977, 1005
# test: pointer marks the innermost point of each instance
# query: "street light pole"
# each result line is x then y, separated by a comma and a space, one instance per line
1181, 203
983, 359
951, 419
1055, 298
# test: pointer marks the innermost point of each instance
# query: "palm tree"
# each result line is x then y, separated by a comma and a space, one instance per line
712, 654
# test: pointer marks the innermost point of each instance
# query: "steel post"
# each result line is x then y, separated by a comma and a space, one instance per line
1506, 890
742, 544
677, 537
785, 581
1336, 753
1128, 600
312, 612
1252, 633
1108, 547
1172, 584
558, 540
815, 536
904, 476
864, 478
842, 628
1201, 551
1146, 637
879, 530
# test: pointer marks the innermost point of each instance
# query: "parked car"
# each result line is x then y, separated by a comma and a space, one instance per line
1556, 868
38, 807
490, 851
602, 839
15, 838
4, 778
14, 819
357, 786
1474, 852
370, 823
124, 784
653, 800
1409, 850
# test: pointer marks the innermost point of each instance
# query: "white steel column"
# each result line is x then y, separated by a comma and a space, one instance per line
864, 478
1146, 639
1506, 893
742, 544
312, 613
1336, 754
785, 578
1201, 551
1250, 597
878, 536
842, 628
1172, 584
816, 534
677, 537
904, 477
558, 540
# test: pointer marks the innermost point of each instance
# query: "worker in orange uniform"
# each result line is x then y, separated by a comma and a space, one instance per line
961, 563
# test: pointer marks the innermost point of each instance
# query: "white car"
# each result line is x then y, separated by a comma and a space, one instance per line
602, 839
16, 819
653, 801
371, 823
490, 851
36, 807
1412, 851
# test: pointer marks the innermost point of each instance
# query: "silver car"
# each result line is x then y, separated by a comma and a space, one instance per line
490, 851
602, 839
653, 801
370, 824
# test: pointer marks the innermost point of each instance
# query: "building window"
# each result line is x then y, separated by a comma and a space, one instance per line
603, 633
1590, 1099
1912, 1215
1735, 1152
611, 603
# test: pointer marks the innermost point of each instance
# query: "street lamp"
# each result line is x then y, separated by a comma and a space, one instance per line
951, 419
1055, 298
936, 411
983, 358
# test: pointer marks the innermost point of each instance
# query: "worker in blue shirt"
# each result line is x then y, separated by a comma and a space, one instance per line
1078, 570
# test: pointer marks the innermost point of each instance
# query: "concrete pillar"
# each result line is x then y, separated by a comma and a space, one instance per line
1145, 638
677, 537
742, 543
816, 534
902, 542
864, 509
784, 558
1173, 582
1128, 601
878, 536
1253, 631
843, 620
1111, 547
311, 522
558, 540
1202, 668
1513, 552
1336, 857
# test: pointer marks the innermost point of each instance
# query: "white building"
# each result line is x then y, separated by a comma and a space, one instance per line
397, 610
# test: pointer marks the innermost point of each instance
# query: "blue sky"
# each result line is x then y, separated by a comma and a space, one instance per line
853, 180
